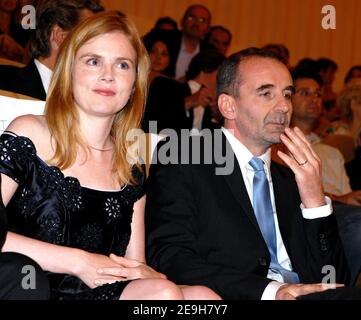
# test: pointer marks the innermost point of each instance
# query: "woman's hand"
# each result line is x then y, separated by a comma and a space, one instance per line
126, 269
87, 264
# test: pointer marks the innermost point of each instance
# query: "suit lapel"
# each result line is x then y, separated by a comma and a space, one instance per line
31, 79
289, 220
238, 188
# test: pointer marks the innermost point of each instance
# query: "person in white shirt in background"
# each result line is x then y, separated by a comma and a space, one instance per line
54, 20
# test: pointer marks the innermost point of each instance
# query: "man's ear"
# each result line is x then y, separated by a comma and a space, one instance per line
58, 35
227, 106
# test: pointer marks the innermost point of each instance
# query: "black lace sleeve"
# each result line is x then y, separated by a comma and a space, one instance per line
16, 154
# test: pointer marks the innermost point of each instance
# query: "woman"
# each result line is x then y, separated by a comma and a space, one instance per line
75, 204
159, 46
349, 102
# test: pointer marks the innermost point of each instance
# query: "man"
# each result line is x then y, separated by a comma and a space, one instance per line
210, 229
54, 20
307, 110
186, 43
219, 37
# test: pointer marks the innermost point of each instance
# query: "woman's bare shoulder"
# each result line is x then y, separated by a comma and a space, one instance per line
31, 126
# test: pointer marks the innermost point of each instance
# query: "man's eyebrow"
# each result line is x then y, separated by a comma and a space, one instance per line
290, 88
264, 87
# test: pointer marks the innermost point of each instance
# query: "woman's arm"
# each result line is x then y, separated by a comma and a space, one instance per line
136, 246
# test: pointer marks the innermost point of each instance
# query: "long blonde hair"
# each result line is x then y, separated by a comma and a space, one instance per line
60, 112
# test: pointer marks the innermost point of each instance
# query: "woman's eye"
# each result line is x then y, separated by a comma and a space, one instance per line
92, 62
123, 65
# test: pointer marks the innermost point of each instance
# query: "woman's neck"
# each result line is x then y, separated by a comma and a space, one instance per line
96, 133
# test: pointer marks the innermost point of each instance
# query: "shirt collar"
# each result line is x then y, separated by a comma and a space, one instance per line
45, 74
241, 152
194, 86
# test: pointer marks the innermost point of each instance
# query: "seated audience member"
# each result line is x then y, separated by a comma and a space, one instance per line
281, 50
159, 50
353, 73
11, 271
74, 195
166, 23
189, 41
236, 231
54, 20
307, 108
327, 70
187, 105
349, 103
9, 47
219, 37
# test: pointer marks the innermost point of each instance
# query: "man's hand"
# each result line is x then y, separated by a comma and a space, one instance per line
203, 97
292, 291
306, 166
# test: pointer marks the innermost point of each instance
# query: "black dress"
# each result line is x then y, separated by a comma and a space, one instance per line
50, 207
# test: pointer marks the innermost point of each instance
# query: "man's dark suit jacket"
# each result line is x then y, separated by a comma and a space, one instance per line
25, 80
165, 104
201, 230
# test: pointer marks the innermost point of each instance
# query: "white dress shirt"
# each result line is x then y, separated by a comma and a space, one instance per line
243, 156
199, 110
45, 74
184, 59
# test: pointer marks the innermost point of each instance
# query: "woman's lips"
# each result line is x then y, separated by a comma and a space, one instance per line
105, 92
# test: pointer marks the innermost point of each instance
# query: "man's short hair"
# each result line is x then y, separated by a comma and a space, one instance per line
166, 20
64, 13
206, 61
214, 28
306, 74
228, 76
325, 63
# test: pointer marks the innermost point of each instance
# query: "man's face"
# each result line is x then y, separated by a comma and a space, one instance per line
263, 107
196, 23
220, 40
307, 102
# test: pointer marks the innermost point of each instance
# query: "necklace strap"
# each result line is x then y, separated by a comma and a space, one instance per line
102, 150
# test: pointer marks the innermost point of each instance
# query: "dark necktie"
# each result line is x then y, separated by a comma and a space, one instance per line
262, 207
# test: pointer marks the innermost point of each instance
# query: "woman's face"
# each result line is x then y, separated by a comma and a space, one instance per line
103, 74
159, 56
